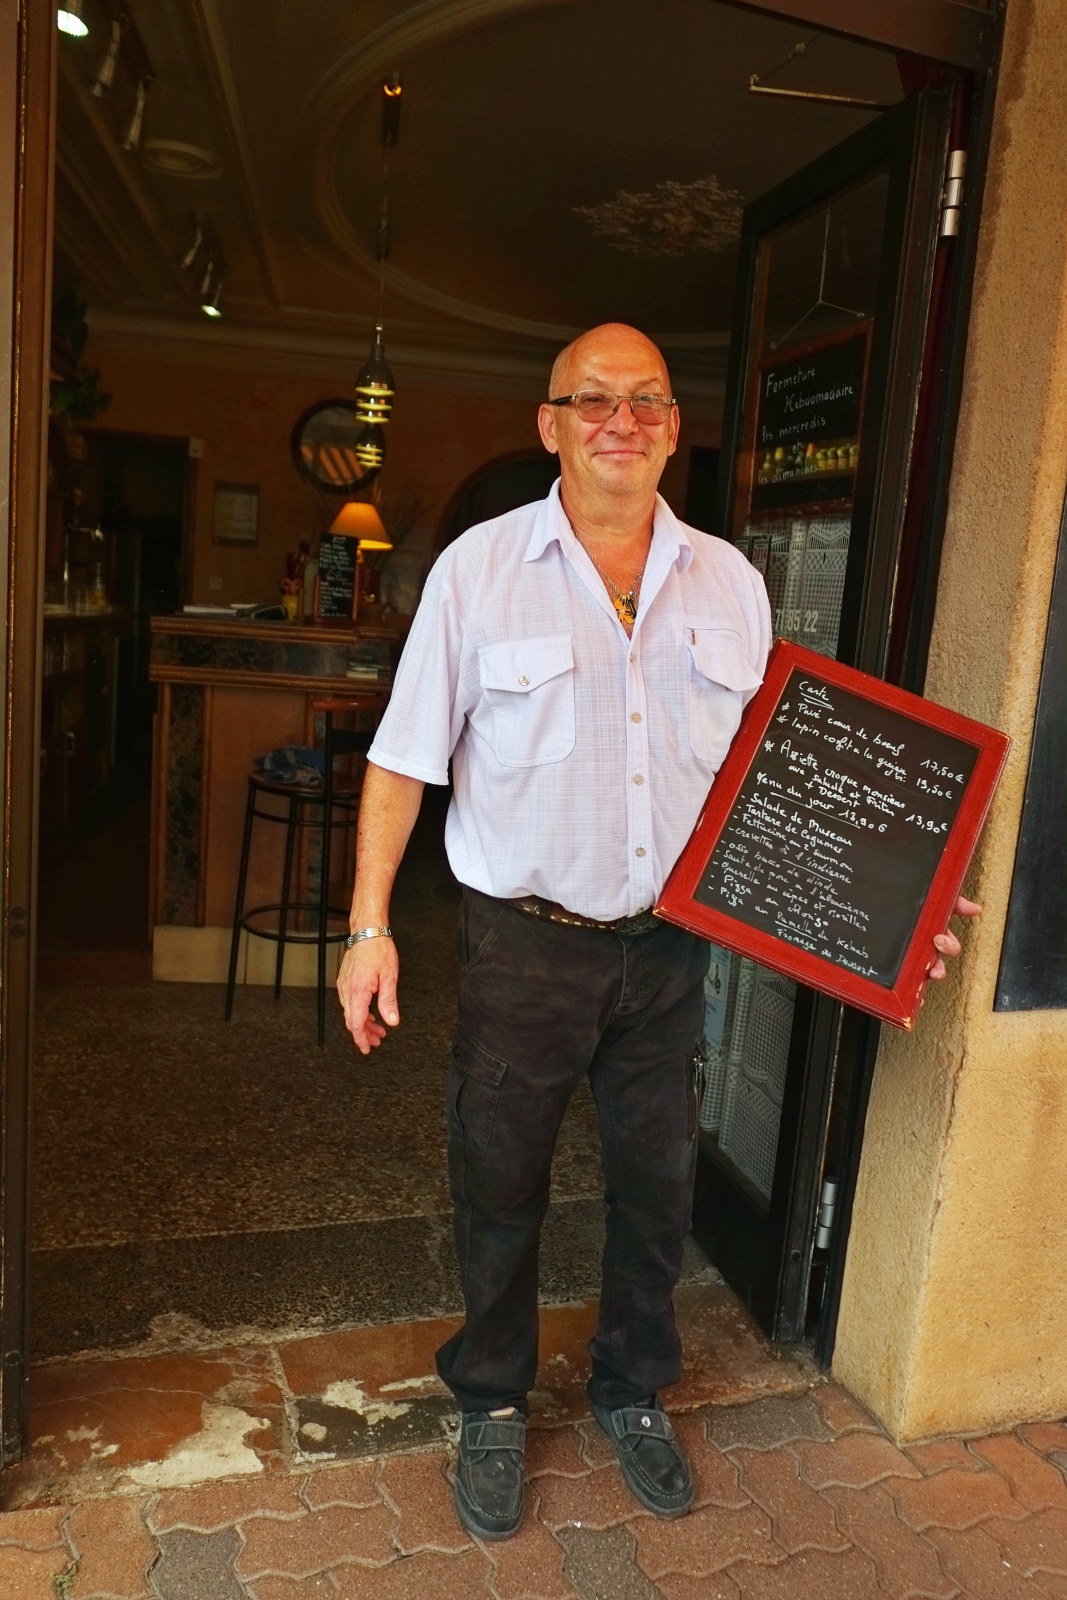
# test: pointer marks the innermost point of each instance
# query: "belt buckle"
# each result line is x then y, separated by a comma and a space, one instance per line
642, 922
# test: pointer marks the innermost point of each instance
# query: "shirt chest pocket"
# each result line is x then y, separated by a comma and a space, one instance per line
527, 711
721, 681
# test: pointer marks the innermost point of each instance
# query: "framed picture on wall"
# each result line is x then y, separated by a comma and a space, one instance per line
236, 516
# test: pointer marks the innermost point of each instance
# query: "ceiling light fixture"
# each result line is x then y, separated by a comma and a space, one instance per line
131, 139
69, 19
210, 304
194, 248
375, 385
106, 75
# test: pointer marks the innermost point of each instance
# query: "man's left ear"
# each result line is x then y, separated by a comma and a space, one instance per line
675, 424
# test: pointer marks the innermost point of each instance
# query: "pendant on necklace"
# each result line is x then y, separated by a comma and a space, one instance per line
626, 606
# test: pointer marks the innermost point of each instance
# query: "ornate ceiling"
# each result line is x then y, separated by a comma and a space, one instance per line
560, 162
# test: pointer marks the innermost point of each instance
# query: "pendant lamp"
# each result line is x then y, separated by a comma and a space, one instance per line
374, 385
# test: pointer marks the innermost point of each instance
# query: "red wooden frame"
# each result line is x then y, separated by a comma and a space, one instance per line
898, 1004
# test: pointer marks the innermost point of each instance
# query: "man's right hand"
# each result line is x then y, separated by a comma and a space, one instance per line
370, 968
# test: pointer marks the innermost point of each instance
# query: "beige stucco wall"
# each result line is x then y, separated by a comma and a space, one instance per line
955, 1299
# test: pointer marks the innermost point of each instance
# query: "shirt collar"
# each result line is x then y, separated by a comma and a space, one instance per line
552, 526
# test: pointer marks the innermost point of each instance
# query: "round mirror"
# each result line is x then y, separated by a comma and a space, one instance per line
330, 448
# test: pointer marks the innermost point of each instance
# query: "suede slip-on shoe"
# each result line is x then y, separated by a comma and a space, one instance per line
650, 1456
489, 1474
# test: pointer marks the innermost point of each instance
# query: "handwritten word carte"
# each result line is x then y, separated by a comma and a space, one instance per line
838, 827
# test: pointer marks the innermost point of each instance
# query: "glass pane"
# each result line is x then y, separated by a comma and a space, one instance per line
815, 296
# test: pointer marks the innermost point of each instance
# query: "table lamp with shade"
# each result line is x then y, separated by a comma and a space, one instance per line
359, 520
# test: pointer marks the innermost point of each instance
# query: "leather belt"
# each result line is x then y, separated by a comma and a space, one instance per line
549, 911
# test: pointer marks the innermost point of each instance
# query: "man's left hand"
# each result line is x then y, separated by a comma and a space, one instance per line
946, 944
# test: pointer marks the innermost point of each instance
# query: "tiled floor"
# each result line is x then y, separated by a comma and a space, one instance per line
317, 1469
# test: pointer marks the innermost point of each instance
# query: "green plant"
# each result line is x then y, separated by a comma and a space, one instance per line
77, 393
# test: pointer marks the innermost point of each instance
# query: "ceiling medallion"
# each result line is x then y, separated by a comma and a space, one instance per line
180, 160
672, 219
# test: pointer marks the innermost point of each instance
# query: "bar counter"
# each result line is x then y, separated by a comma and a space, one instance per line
230, 689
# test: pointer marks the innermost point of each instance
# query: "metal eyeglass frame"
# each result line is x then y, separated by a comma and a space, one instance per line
662, 399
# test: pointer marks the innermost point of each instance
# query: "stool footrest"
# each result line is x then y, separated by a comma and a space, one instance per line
310, 937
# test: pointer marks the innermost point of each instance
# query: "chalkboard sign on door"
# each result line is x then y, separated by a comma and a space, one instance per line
805, 426
337, 577
838, 832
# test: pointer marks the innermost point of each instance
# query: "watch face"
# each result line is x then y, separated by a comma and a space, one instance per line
324, 447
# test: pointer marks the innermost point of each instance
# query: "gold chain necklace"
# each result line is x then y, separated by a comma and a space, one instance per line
625, 604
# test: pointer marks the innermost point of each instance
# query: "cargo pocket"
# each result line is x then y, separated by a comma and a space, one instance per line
721, 680
527, 708
477, 1078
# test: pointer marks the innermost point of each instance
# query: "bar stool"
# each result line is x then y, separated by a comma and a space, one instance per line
325, 809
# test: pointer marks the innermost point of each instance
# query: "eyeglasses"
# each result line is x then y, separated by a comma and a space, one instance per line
597, 405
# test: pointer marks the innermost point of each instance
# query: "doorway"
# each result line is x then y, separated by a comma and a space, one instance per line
203, 1157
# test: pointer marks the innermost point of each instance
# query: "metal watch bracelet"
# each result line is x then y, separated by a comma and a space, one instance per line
367, 933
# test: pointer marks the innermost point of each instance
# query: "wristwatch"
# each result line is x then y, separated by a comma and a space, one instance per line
367, 933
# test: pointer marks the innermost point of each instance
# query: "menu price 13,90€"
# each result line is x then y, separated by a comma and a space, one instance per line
838, 832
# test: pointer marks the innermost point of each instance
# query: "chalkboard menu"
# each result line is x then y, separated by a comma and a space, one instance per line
337, 576
838, 832
807, 422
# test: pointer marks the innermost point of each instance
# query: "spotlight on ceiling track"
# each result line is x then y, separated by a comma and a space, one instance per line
69, 19
211, 291
195, 242
134, 133
106, 75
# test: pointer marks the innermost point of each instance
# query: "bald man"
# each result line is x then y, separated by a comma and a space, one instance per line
583, 662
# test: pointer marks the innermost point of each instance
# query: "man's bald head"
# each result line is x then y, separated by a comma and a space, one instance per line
578, 362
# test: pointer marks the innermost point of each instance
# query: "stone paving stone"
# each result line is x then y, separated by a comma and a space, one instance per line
597, 1448
114, 1547
763, 1424
192, 1565
1044, 1437
353, 1484
704, 1542
34, 1530
678, 1586
217, 1505
320, 1586
529, 1566
316, 1541
1039, 1544
714, 1474
599, 1500
812, 1575
800, 1519
418, 1491
841, 1413
430, 1575
555, 1450
600, 1566
907, 1563
1033, 1481
955, 1499
29, 1574
971, 1557
938, 1454
853, 1460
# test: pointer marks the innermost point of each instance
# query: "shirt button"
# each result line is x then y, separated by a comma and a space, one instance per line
635, 716
640, 850
633, 657
638, 778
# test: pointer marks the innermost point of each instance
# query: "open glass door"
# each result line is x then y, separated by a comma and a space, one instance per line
834, 284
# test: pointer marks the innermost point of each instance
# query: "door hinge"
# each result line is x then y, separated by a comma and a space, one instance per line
952, 198
827, 1202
